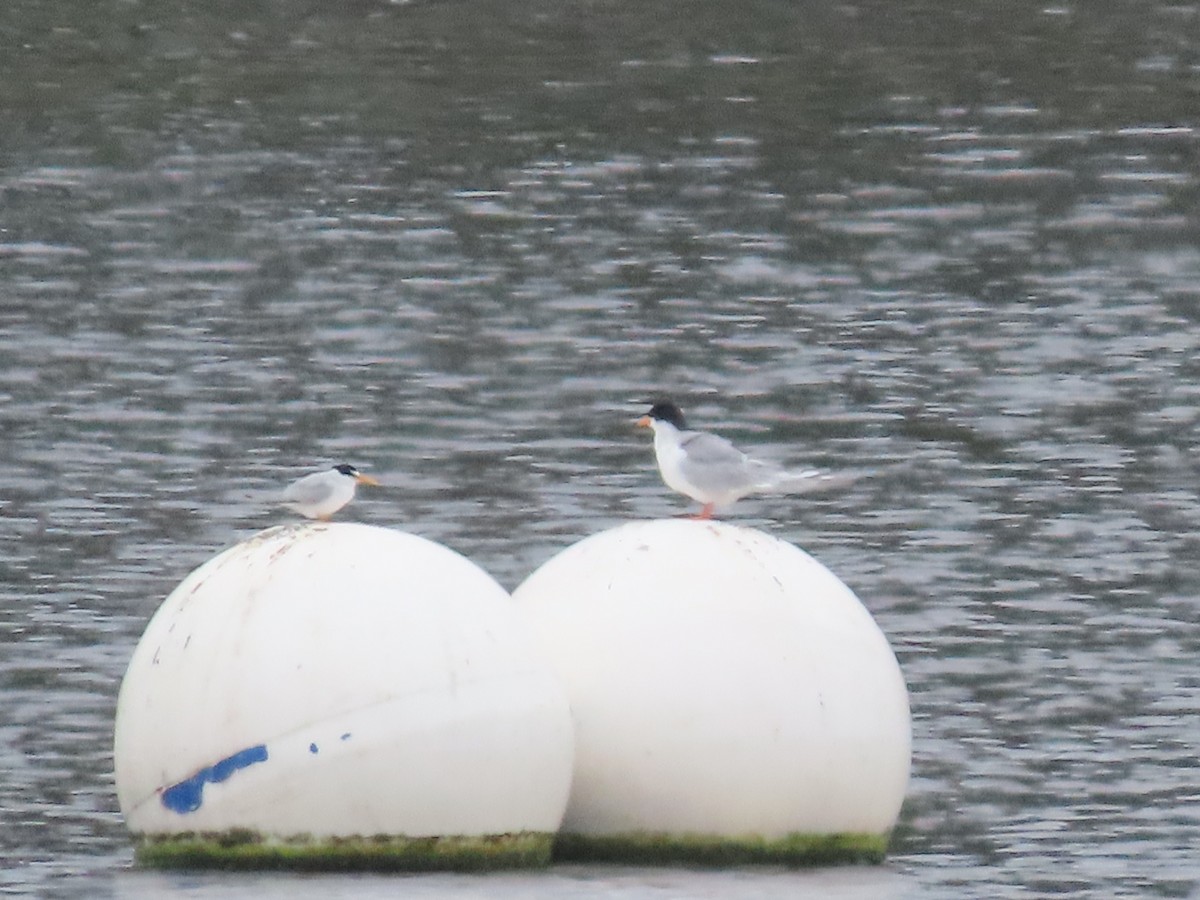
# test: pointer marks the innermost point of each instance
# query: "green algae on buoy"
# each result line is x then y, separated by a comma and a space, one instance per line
341, 696
733, 700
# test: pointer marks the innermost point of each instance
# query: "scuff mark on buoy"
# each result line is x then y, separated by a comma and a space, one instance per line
188, 795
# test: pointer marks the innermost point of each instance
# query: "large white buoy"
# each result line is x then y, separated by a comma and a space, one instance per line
733, 700
333, 695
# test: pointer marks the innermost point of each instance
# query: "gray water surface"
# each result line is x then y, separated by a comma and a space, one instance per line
460, 245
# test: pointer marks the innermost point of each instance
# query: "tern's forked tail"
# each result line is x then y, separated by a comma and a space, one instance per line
804, 481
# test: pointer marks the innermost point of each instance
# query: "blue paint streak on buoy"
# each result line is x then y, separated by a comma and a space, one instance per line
188, 795
312, 748
346, 736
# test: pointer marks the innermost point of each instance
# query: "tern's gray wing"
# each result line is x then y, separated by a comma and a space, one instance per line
709, 449
309, 490
716, 465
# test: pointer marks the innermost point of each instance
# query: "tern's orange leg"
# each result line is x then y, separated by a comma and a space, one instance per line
706, 512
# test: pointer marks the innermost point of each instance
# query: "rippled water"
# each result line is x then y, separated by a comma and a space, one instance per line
460, 246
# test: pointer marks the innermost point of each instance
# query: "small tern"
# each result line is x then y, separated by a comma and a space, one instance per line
321, 494
711, 470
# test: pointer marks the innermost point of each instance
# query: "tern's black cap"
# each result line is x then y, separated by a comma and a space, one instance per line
666, 411
346, 469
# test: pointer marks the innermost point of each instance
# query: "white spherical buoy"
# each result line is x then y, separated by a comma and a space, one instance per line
341, 695
733, 700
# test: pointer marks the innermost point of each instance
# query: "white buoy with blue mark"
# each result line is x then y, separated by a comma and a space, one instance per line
333, 695
733, 700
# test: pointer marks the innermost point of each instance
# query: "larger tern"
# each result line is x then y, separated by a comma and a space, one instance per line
711, 470
321, 494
